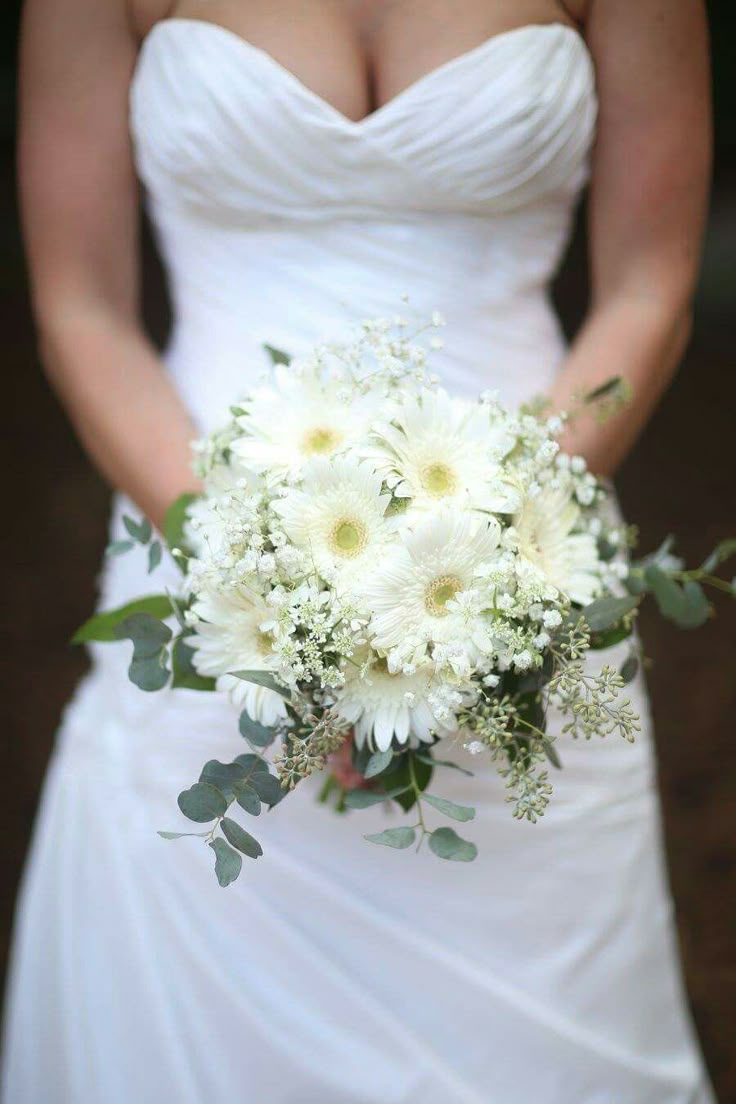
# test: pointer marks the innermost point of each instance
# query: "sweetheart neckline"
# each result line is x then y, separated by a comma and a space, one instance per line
326, 106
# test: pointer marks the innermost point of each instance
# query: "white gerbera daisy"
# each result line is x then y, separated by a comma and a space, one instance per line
381, 706
439, 450
298, 418
413, 594
337, 516
233, 634
545, 528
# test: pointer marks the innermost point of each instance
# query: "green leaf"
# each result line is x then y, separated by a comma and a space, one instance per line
364, 799
140, 531
175, 521
148, 669
228, 862
425, 757
377, 763
225, 776
686, 605
255, 733
154, 556
247, 798
551, 752
252, 764
630, 669
722, 552
278, 356
186, 675
400, 838
263, 678
241, 839
202, 803
606, 612
119, 547
610, 387
268, 787
102, 626
447, 844
181, 835
450, 808
609, 638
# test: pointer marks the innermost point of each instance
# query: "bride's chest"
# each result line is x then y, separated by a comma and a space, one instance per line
219, 123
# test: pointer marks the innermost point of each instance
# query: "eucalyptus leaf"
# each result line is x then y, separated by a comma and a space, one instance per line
450, 808
425, 757
185, 675
252, 764
722, 552
148, 669
225, 776
247, 798
447, 844
364, 799
119, 547
102, 626
400, 838
610, 387
241, 839
181, 835
228, 862
378, 763
154, 556
263, 678
202, 803
278, 356
611, 637
630, 669
606, 612
684, 604
551, 752
255, 733
140, 531
175, 521
268, 787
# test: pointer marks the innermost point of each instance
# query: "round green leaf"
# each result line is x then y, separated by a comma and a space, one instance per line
378, 763
202, 802
102, 626
247, 798
255, 733
228, 863
447, 844
267, 786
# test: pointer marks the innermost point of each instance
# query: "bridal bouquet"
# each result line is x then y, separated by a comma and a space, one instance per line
375, 566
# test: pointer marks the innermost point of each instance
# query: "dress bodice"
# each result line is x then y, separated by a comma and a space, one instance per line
280, 220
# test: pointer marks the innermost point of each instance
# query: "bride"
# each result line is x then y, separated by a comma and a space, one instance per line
306, 164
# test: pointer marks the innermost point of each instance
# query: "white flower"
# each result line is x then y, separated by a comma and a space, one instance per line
233, 634
381, 706
299, 418
442, 450
338, 517
412, 593
545, 529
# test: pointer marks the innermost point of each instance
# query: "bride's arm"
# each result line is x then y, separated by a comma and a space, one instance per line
648, 199
80, 209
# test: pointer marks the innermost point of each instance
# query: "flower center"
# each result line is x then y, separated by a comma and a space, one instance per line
265, 643
320, 440
440, 592
348, 537
439, 480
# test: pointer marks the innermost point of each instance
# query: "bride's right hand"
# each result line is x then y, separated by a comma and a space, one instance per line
81, 219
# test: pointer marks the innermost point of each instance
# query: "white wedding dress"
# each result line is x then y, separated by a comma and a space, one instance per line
334, 972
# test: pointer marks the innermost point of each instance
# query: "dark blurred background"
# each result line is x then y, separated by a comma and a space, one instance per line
682, 477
